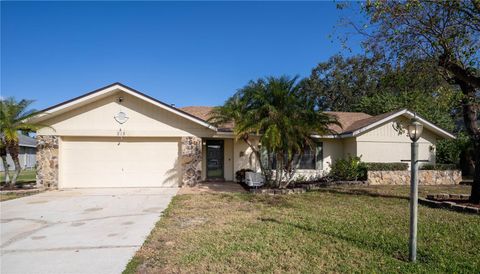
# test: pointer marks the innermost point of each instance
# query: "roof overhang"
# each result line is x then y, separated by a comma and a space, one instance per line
106, 91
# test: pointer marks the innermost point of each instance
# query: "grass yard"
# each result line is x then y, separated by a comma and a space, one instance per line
25, 176
343, 229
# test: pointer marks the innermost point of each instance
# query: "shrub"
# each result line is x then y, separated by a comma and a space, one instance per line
387, 166
437, 167
448, 151
349, 169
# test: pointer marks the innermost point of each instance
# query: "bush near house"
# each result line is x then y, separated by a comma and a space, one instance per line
387, 166
438, 167
349, 169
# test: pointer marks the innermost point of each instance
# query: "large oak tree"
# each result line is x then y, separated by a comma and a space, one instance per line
447, 32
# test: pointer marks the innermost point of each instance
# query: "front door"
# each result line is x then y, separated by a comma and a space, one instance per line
215, 159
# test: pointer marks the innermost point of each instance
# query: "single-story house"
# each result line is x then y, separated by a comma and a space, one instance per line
26, 154
116, 136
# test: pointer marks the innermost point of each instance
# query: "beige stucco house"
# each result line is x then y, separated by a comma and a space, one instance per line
119, 137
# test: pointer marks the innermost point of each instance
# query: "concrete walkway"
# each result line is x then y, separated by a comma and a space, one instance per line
78, 231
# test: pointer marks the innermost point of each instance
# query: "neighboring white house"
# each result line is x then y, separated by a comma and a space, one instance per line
119, 137
26, 154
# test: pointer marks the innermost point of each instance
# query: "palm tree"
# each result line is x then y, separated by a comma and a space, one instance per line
233, 111
276, 110
14, 119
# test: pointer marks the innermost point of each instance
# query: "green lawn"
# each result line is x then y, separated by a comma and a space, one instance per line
25, 176
356, 229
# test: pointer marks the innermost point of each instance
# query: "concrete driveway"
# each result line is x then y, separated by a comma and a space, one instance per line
78, 231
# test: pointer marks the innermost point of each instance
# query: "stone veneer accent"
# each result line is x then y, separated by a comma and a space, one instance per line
47, 162
191, 160
425, 177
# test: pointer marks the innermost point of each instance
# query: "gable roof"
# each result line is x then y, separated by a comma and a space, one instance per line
374, 121
353, 123
110, 89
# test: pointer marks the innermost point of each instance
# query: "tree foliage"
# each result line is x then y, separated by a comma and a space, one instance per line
340, 82
440, 107
449, 151
375, 86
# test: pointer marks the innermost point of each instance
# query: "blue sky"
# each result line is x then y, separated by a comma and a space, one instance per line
186, 53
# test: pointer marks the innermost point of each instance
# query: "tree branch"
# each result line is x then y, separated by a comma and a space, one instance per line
458, 71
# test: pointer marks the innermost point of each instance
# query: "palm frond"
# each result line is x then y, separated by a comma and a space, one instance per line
14, 117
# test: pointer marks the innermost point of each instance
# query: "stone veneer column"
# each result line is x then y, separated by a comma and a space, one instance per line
47, 162
191, 160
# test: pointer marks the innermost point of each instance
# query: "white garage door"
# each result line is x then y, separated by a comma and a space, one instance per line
106, 162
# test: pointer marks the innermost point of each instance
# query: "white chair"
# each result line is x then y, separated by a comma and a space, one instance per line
254, 179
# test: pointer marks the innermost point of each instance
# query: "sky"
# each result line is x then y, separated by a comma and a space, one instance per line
182, 53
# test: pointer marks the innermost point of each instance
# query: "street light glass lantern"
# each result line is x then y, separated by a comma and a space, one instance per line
415, 130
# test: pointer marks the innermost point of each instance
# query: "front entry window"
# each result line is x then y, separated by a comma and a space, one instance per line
215, 159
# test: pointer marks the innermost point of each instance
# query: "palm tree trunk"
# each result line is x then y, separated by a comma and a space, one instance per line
291, 169
13, 149
5, 167
279, 170
18, 169
265, 171
3, 155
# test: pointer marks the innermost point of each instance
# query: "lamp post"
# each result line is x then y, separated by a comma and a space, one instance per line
414, 131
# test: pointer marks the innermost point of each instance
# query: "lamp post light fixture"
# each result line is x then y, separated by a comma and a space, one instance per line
414, 132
